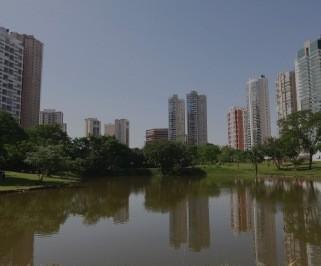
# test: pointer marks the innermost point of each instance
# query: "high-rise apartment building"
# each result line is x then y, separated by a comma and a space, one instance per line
196, 119
31, 81
92, 127
286, 94
11, 68
155, 134
176, 119
109, 130
122, 131
258, 111
237, 121
52, 117
308, 76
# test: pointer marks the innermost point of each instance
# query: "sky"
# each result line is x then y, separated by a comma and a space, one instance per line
124, 58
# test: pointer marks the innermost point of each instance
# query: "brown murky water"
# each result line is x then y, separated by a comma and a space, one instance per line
137, 221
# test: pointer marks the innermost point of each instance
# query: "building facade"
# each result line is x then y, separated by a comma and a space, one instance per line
92, 127
155, 134
285, 94
258, 112
176, 119
122, 131
308, 76
11, 69
52, 117
196, 119
236, 122
109, 130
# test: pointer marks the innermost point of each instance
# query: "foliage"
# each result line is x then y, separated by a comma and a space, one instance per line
208, 154
47, 159
303, 129
170, 157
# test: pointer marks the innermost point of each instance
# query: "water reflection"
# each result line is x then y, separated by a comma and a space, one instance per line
281, 221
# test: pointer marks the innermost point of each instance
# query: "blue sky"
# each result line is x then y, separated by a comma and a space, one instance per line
124, 58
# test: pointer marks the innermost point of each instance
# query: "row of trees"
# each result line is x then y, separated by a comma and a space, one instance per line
48, 150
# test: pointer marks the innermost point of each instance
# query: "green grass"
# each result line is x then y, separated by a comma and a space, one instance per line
15, 181
246, 171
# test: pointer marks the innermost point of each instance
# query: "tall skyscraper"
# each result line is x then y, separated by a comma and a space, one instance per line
286, 94
258, 111
156, 134
196, 119
92, 127
176, 119
122, 131
308, 76
52, 117
11, 68
109, 130
31, 82
236, 121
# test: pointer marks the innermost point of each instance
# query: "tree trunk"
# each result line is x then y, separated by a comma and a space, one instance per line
310, 160
256, 169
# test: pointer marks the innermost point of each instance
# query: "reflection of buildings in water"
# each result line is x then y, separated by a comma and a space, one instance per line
122, 215
178, 224
295, 250
241, 210
264, 233
18, 250
199, 223
189, 221
314, 255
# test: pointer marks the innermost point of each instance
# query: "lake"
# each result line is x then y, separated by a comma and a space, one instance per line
170, 221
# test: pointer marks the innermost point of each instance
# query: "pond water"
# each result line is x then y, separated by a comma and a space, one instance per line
139, 221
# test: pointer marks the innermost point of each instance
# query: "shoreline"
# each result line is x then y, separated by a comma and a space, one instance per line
17, 182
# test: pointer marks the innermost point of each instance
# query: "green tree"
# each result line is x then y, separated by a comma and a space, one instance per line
43, 135
170, 157
226, 155
275, 148
256, 156
304, 127
10, 131
47, 160
208, 153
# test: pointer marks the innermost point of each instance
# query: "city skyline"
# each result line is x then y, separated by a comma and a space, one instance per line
134, 80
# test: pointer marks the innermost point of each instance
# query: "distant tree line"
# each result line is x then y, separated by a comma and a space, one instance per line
47, 150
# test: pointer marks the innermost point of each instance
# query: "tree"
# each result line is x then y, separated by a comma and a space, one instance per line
304, 127
256, 156
43, 135
226, 155
99, 156
10, 131
47, 159
275, 149
170, 157
208, 153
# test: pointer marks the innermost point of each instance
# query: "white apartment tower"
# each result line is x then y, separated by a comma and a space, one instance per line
52, 117
286, 94
258, 111
176, 119
92, 127
122, 131
196, 119
11, 69
308, 76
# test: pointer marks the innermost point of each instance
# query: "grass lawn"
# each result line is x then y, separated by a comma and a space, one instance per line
15, 181
246, 171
